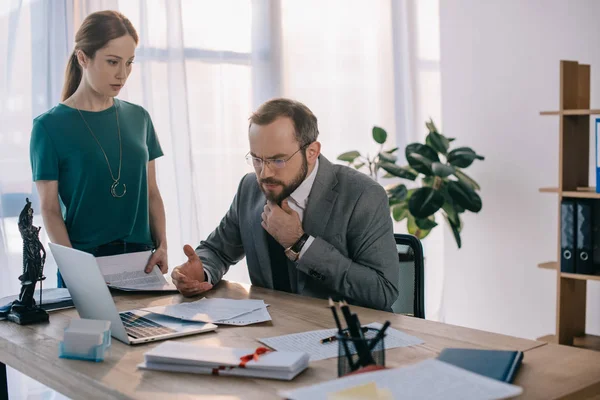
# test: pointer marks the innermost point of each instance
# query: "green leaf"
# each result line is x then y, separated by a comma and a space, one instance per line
398, 191
400, 172
464, 178
464, 196
426, 223
359, 165
400, 211
442, 170
390, 151
438, 142
349, 156
431, 126
428, 181
420, 157
451, 139
425, 202
387, 157
455, 230
451, 212
388, 176
379, 135
462, 157
413, 229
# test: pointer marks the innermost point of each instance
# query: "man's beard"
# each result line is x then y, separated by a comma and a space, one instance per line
287, 189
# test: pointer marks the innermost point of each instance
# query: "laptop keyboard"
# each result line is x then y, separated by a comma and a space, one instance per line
140, 327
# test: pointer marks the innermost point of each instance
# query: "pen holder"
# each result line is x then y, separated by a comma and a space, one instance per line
351, 351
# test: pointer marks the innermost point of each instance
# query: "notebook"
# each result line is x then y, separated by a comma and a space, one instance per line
186, 357
497, 364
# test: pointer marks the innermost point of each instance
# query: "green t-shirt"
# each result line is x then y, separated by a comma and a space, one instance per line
63, 149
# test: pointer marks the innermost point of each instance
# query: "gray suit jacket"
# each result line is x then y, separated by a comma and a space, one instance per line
353, 255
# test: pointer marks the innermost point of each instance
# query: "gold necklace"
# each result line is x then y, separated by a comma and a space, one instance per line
115, 184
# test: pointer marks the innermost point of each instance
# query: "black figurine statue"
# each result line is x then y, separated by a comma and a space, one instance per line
24, 310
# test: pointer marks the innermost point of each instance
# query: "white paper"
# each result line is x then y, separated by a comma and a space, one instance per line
310, 342
253, 317
429, 379
207, 310
126, 271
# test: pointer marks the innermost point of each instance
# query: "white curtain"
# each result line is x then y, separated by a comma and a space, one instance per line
202, 67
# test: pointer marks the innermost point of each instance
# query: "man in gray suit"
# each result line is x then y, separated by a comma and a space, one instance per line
305, 225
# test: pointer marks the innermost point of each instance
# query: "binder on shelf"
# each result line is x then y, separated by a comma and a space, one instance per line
583, 242
567, 236
597, 156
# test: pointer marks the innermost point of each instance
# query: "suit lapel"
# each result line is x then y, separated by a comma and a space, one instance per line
318, 210
321, 199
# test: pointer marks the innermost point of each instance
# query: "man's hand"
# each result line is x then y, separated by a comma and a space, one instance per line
159, 257
188, 278
282, 223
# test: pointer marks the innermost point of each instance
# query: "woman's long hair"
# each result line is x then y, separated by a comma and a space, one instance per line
95, 32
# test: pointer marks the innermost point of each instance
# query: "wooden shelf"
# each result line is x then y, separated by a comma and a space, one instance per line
581, 192
590, 342
549, 265
581, 277
571, 112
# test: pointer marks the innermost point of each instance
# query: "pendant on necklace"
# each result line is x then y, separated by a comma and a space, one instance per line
113, 189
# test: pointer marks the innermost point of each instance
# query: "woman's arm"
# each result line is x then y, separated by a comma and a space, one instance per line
157, 222
51, 214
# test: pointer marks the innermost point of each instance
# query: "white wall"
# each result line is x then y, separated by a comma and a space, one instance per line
499, 68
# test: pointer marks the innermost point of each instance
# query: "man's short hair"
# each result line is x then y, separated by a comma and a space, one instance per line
305, 122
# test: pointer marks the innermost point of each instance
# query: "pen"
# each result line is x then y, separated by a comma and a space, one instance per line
340, 331
333, 338
364, 354
379, 335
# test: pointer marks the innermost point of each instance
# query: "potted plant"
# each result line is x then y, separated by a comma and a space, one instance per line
445, 187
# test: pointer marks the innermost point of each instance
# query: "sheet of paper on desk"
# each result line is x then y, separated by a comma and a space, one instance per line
429, 379
253, 317
126, 272
310, 341
207, 310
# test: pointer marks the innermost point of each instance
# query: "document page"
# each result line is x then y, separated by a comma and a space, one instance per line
126, 272
208, 310
310, 342
429, 379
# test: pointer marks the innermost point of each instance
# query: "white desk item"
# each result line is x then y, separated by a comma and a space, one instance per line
85, 339
186, 357
310, 341
126, 272
429, 379
208, 310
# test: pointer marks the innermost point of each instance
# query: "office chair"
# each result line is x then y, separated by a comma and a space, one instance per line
411, 286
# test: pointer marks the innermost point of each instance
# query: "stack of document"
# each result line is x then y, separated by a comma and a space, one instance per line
185, 357
217, 311
126, 272
429, 379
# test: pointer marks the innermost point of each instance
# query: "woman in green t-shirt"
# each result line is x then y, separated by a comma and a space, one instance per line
92, 155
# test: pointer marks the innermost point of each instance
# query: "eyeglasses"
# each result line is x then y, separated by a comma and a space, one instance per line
278, 163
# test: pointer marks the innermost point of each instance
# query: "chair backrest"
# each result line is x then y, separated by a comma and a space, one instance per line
411, 286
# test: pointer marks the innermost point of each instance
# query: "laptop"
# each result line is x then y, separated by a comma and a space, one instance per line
93, 300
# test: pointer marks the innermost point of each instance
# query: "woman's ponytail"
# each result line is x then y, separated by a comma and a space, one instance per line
72, 77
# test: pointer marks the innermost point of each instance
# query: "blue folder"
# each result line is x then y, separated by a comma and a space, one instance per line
496, 364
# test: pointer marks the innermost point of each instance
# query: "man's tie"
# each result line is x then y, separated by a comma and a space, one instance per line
279, 266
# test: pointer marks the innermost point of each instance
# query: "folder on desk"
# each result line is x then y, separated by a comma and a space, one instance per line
501, 365
584, 263
186, 357
567, 236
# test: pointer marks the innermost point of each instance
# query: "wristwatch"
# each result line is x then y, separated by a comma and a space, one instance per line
293, 252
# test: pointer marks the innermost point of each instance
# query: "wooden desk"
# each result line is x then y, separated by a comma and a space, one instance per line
33, 350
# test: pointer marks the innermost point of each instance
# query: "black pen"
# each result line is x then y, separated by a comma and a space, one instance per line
333, 338
379, 335
364, 354
340, 332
